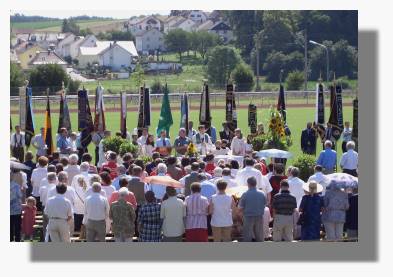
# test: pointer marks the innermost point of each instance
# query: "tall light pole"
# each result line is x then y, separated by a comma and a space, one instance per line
327, 57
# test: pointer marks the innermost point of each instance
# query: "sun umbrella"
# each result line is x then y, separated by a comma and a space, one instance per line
237, 191
162, 180
275, 153
18, 165
343, 180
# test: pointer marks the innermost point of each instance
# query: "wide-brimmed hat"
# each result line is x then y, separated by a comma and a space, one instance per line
319, 187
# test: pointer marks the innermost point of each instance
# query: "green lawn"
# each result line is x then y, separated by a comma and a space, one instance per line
297, 119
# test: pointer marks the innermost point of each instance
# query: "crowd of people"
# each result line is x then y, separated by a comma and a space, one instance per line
227, 191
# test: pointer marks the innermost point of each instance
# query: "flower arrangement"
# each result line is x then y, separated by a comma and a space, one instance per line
192, 151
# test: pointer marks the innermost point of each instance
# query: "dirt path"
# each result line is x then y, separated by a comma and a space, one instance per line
193, 108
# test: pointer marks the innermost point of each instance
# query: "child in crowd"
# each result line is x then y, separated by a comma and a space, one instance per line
29, 212
210, 166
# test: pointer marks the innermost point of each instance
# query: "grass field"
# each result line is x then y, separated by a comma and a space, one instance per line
296, 117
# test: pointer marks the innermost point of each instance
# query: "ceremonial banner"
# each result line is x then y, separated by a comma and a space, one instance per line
99, 118
336, 115
29, 121
22, 107
48, 130
281, 103
123, 114
184, 109
204, 109
141, 111
165, 122
355, 128
64, 115
252, 118
85, 120
320, 111
146, 108
230, 108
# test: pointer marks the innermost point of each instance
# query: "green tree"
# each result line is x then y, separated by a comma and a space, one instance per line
16, 76
243, 77
295, 80
275, 61
177, 41
138, 76
120, 35
70, 26
221, 60
48, 76
344, 59
85, 32
205, 41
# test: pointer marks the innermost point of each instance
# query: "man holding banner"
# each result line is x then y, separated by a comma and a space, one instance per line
18, 144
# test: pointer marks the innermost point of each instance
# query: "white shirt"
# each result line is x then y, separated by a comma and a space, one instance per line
39, 143
142, 140
204, 146
90, 192
58, 206
296, 188
84, 175
44, 188
18, 138
173, 212
230, 181
320, 178
222, 210
96, 207
238, 147
220, 151
80, 197
38, 174
101, 154
247, 172
69, 194
108, 190
147, 150
349, 160
72, 170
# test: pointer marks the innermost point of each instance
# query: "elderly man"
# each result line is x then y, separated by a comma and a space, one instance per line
327, 158
252, 206
63, 142
284, 205
38, 142
173, 170
181, 142
249, 171
349, 160
173, 213
187, 180
38, 174
18, 144
202, 141
51, 182
59, 211
159, 190
163, 144
136, 186
238, 145
96, 213
320, 178
197, 211
123, 218
73, 168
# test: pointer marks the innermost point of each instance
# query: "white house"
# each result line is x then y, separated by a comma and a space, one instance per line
150, 40
170, 21
197, 16
137, 25
185, 24
63, 47
223, 30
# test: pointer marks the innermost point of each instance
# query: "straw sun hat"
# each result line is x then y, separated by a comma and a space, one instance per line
313, 186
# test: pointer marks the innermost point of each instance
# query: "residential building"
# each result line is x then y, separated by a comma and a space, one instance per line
223, 30
149, 41
197, 16
137, 25
47, 57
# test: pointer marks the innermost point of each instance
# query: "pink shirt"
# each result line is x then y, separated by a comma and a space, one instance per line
197, 210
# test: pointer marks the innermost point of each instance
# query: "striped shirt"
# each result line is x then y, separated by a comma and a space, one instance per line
197, 206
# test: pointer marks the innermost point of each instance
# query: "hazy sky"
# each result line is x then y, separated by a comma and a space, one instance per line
104, 13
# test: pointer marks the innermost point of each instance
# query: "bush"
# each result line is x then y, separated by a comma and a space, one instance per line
128, 147
306, 164
73, 86
156, 87
344, 82
258, 142
243, 77
113, 144
295, 80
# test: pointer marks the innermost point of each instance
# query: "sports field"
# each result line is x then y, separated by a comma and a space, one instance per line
296, 118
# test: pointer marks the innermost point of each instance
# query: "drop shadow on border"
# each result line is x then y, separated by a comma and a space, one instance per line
366, 249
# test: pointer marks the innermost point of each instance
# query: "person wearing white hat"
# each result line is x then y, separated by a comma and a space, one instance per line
310, 211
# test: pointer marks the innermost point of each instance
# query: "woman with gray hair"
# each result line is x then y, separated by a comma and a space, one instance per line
333, 217
160, 190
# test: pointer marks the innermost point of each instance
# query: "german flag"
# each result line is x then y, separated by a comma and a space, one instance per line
48, 130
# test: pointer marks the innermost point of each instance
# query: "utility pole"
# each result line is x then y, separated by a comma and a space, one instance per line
258, 50
305, 61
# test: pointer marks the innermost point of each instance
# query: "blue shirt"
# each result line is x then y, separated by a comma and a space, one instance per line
208, 189
160, 142
253, 202
213, 134
327, 159
15, 199
159, 190
63, 143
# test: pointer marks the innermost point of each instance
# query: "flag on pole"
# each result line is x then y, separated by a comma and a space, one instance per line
230, 108
123, 114
48, 129
355, 128
99, 118
281, 103
29, 122
336, 114
85, 120
22, 107
204, 109
320, 110
64, 115
184, 110
165, 121
146, 108
252, 118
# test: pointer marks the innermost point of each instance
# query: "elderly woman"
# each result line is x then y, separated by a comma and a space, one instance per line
310, 211
160, 190
336, 203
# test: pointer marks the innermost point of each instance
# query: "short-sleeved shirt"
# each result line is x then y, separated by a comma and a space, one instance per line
123, 216
253, 202
179, 141
15, 199
173, 212
149, 216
